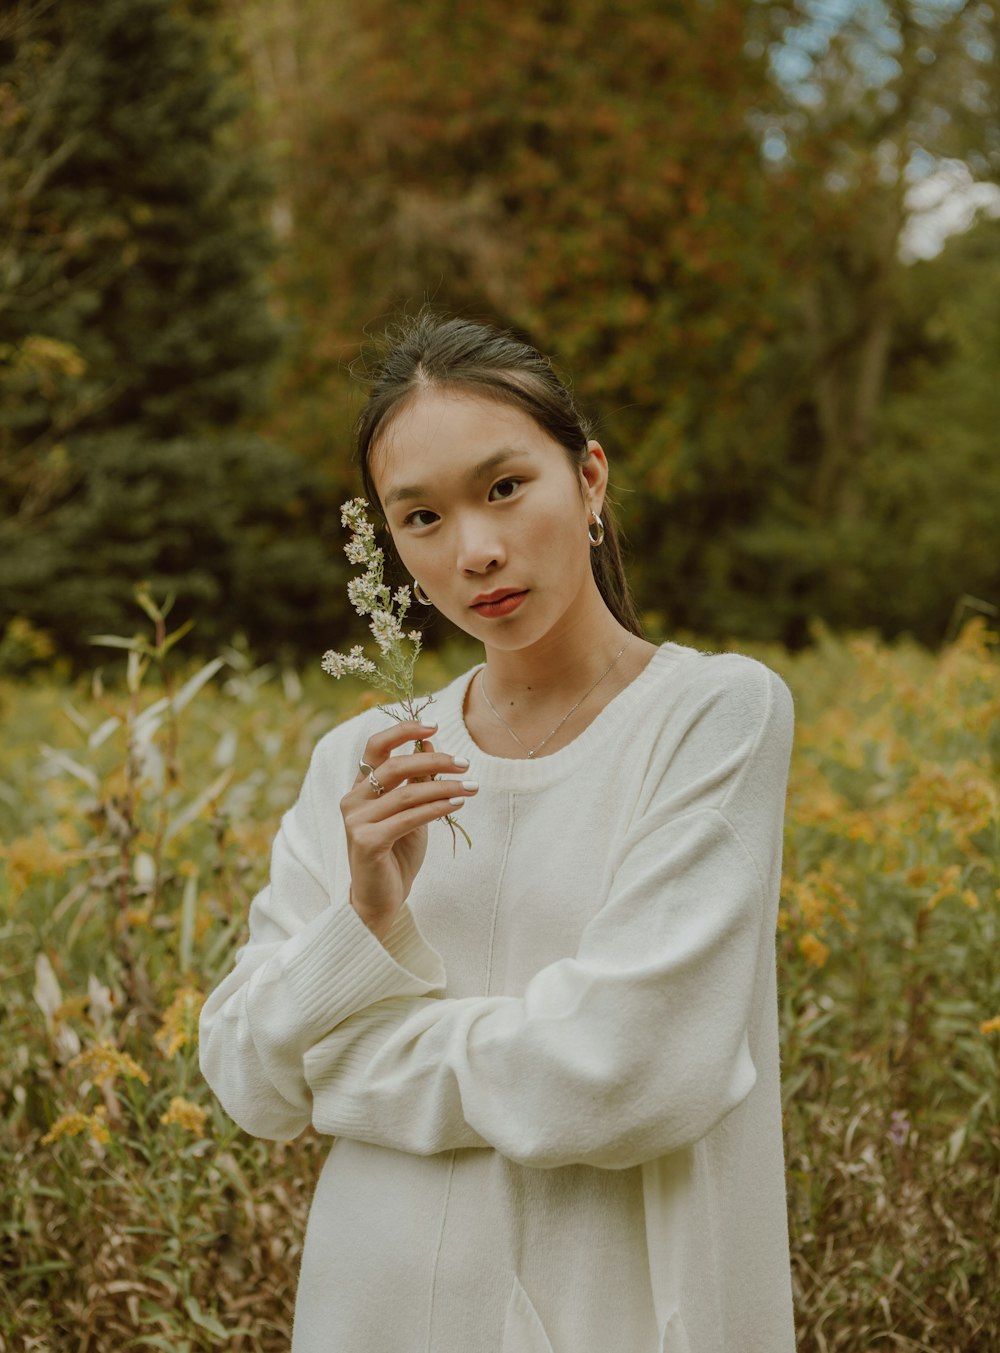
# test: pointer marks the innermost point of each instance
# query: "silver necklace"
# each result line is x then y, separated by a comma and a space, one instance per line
538, 745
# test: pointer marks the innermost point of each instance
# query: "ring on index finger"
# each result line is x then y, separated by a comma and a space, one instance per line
373, 779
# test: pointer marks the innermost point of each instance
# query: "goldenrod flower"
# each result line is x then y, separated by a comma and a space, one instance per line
104, 1062
813, 950
990, 1026
73, 1124
179, 1027
184, 1114
73, 1008
31, 856
948, 886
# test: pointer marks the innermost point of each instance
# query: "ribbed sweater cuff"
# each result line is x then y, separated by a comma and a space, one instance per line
336, 1075
336, 967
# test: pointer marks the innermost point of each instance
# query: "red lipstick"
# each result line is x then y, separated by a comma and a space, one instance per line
498, 603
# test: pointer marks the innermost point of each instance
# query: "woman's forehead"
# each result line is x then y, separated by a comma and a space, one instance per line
451, 430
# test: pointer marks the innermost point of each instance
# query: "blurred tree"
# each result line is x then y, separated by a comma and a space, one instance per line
695, 207
931, 483
136, 335
874, 95
586, 173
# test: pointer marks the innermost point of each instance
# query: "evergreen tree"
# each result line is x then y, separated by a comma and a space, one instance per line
136, 335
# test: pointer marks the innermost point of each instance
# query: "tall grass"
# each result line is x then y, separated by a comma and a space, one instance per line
137, 815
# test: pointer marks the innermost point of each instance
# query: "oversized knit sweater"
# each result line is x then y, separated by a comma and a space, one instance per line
554, 1085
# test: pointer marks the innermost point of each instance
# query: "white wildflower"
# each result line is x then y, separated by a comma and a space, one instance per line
370, 596
352, 515
348, 664
366, 593
386, 630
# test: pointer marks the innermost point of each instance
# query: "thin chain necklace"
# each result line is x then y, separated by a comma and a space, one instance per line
538, 745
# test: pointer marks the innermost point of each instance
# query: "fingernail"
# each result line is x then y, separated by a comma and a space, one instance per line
460, 763
429, 727
456, 803
470, 784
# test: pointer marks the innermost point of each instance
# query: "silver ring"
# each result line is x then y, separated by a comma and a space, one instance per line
365, 769
377, 785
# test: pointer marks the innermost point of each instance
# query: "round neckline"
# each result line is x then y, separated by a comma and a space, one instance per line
516, 772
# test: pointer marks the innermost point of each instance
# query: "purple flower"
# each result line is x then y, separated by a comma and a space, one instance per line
899, 1127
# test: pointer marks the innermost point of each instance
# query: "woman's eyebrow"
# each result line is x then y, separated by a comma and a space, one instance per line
478, 472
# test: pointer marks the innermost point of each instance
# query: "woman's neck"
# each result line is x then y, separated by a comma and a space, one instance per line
539, 699
560, 664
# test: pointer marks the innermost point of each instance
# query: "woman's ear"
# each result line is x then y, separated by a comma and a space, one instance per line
594, 476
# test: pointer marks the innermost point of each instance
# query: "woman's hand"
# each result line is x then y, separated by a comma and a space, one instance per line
387, 832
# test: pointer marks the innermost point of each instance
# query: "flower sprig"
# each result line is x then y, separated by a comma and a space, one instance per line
386, 610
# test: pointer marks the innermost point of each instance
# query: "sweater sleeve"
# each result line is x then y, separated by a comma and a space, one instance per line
638, 1044
309, 963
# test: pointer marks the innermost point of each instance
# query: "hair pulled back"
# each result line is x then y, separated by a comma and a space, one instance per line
428, 351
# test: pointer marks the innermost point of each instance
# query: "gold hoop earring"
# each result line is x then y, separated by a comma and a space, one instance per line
599, 538
421, 595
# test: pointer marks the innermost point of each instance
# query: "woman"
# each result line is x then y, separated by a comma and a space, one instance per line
550, 1062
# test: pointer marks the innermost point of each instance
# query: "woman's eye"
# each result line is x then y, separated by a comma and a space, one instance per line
504, 488
412, 518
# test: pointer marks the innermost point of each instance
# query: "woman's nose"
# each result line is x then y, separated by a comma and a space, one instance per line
479, 549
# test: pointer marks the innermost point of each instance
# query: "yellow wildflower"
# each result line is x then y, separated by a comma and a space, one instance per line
812, 904
65, 832
970, 899
73, 1008
29, 856
180, 1021
990, 1026
813, 950
948, 886
72, 1124
104, 1062
860, 827
189, 1116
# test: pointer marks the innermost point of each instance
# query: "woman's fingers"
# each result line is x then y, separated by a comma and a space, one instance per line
380, 746
418, 793
395, 797
379, 833
417, 766
379, 821
409, 790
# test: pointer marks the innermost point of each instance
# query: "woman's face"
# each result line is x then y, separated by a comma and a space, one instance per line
480, 501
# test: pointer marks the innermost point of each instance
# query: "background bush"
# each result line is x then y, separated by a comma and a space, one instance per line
134, 1214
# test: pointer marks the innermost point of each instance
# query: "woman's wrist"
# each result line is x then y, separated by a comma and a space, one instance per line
379, 924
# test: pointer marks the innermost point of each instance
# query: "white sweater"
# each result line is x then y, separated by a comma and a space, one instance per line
554, 1087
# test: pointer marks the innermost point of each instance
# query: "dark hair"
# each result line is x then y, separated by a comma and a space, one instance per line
429, 351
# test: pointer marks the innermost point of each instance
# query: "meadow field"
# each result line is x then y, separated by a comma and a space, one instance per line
137, 809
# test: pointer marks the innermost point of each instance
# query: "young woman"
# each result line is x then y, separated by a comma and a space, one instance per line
550, 1061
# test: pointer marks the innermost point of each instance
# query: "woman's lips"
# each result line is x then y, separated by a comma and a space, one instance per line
502, 607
